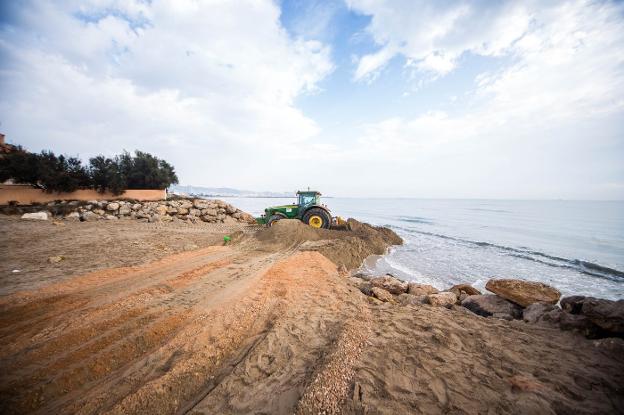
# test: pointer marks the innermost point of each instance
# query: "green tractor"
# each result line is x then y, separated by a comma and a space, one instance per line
308, 209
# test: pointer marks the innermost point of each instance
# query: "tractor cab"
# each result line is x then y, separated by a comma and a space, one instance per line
308, 198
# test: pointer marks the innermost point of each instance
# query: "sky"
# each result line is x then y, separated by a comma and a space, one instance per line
358, 98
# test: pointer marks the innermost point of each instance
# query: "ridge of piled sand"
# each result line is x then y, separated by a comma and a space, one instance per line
346, 249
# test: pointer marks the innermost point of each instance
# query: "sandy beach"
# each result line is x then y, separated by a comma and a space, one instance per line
151, 318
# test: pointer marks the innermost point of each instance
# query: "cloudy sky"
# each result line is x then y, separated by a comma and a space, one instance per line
458, 99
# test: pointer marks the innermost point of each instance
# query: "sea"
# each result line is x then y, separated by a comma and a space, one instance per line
574, 246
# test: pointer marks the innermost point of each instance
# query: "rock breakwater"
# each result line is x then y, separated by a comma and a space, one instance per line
176, 210
534, 303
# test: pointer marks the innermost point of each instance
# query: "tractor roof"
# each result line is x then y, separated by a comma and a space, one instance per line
308, 192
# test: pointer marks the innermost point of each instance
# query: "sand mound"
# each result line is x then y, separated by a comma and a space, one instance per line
344, 248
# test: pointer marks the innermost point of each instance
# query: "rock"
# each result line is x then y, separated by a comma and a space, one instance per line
110, 217
136, 206
535, 312
390, 284
55, 259
382, 294
43, 215
443, 299
229, 209
200, 204
193, 212
488, 305
125, 210
523, 293
209, 212
154, 218
185, 204
578, 323
166, 218
572, 304
112, 206
236, 215
465, 289
410, 299
172, 210
92, 202
89, 216
420, 289
606, 314
161, 210
99, 212
73, 216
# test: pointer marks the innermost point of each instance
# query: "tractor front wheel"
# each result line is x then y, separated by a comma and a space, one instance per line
317, 218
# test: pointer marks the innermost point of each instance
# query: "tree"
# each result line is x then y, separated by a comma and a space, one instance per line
106, 175
45, 171
21, 167
65, 174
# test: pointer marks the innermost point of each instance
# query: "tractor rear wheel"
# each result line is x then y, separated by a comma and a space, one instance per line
317, 218
274, 219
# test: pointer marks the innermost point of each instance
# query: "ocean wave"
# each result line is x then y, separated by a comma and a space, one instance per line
415, 219
490, 210
579, 265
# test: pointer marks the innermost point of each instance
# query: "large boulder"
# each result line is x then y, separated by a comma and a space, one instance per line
112, 206
523, 293
573, 304
443, 299
390, 284
541, 312
382, 294
43, 215
420, 289
606, 314
492, 305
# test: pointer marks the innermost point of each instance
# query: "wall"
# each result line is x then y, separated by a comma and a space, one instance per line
26, 195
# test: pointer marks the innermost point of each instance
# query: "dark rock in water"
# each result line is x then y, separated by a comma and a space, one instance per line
573, 304
606, 314
539, 312
488, 305
420, 289
523, 293
390, 284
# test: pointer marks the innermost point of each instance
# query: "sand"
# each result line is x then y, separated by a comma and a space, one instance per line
266, 325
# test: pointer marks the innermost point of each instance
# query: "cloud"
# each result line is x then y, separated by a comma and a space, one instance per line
548, 123
432, 36
185, 80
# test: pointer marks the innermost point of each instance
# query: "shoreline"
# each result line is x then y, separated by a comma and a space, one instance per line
160, 317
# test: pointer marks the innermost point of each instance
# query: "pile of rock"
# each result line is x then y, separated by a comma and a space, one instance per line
187, 210
533, 302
